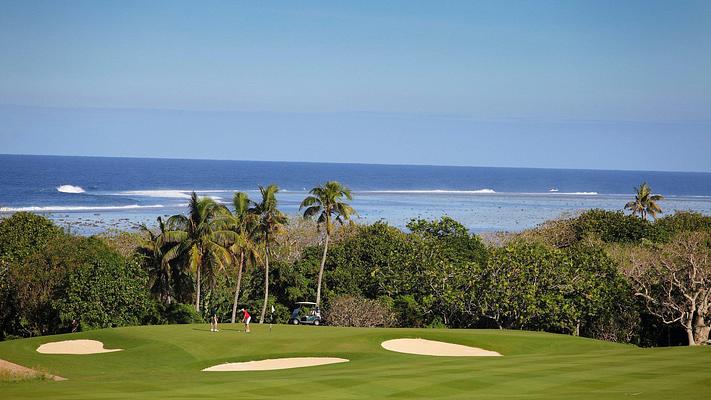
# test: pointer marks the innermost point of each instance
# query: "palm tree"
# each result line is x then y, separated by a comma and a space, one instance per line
269, 221
326, 201
645, 202
152, 248
200, 237
243, 224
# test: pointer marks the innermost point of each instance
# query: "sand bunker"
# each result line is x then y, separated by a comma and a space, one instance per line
277, 363
11, 371
82, 346
433, 348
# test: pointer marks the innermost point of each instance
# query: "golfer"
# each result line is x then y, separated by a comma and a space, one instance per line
213, 320
246, 318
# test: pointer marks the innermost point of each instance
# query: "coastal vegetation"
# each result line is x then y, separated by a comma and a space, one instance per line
601, 274
327, 205
645, 203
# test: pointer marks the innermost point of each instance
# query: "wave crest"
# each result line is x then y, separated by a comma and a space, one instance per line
165, 194
434, 191
76, 208
70, 189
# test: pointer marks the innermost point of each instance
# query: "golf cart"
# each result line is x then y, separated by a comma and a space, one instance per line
306, 313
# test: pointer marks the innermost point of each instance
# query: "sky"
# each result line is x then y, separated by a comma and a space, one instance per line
560, 84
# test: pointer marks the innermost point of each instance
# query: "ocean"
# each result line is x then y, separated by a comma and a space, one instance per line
88, 195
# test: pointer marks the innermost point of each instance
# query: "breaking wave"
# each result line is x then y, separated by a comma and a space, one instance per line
170, 193
76, 208
164, 194
435, 191
70, 189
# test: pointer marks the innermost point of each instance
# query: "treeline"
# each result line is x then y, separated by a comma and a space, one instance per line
602, 274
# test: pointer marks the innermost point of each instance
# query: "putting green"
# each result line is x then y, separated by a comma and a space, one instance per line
165, 362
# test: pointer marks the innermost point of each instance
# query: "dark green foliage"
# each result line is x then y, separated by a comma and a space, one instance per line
558, 279
180, 313
21, 235
458, 245
104, 293
683, 221
420, 273
520, 288
614, 227
600, 296
576, 290
78, 278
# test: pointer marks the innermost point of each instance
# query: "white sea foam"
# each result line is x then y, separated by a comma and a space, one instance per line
70, 189
435, 191
76, 208
164, 194
170, 193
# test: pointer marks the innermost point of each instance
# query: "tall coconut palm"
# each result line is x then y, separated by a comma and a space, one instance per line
645, 202
269, 221
326, 202
244, 247
152, 248
200, 238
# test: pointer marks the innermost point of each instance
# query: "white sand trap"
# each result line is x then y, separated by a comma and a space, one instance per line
433, 348
82, 346
277, 363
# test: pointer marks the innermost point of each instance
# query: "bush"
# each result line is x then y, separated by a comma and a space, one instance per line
614, 227
79, 278
105, 293
21, 235
683, 221
179, 313
358, 312
457, 244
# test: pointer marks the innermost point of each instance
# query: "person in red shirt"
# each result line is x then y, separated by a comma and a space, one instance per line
246, 318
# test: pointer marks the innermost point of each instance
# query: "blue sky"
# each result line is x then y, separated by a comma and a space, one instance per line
596, 84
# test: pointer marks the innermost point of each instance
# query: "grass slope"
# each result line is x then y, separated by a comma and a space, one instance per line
165, 362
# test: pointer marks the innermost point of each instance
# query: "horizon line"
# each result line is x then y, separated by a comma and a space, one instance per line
348, 163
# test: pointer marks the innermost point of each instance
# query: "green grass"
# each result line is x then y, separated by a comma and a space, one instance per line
165, 362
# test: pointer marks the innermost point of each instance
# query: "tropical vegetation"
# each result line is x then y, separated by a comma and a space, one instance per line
326, 203
601, 274
645, 203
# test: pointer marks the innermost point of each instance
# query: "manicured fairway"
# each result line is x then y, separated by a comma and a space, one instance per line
165, 362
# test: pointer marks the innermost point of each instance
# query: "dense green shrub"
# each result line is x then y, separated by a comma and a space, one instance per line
614, 227
104, 293
179, 313
600, 296
79, 278
519, 288
683, 221
457, 244
21, 235
531, 286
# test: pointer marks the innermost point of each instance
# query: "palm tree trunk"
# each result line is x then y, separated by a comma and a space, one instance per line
320, 272
239, 282
266, 281
197, 297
